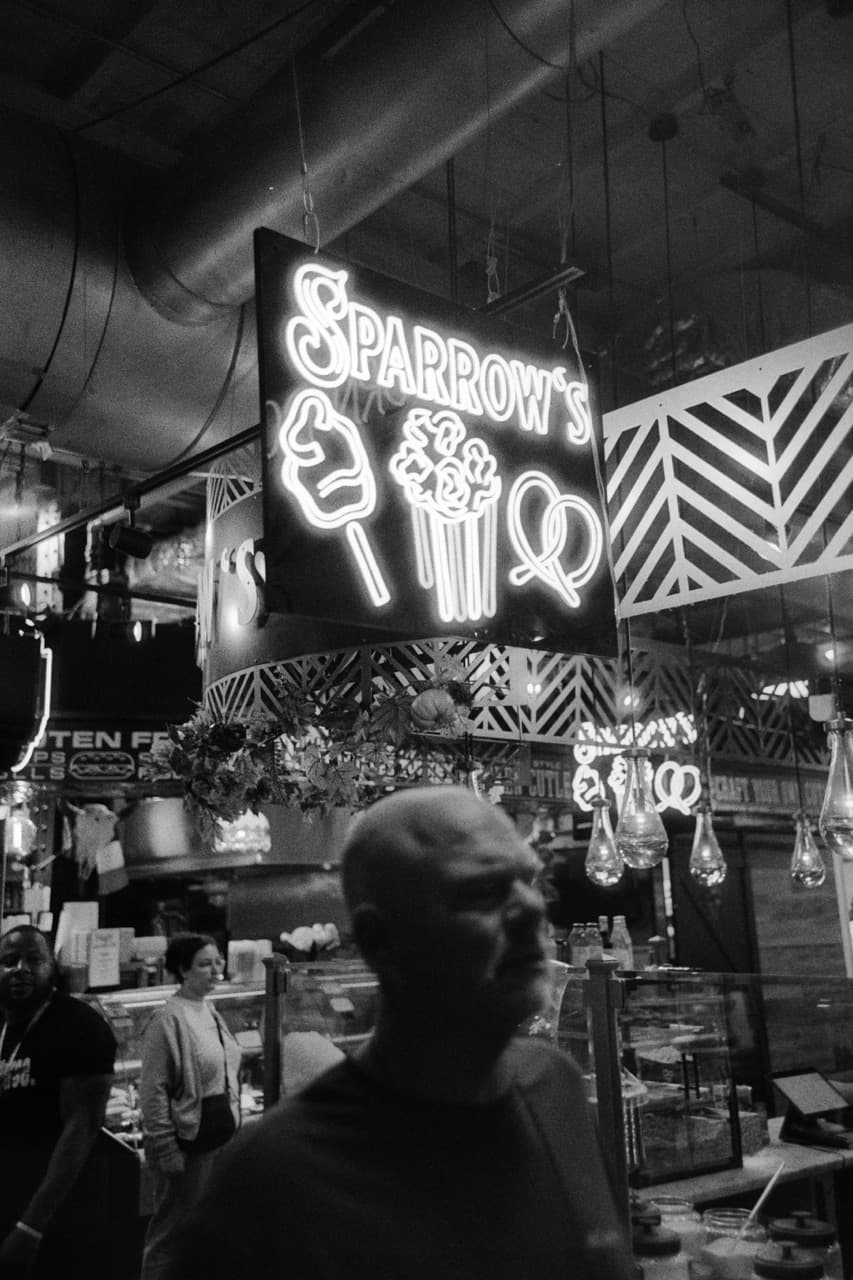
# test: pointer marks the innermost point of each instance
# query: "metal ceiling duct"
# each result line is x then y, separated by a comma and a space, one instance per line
129, 335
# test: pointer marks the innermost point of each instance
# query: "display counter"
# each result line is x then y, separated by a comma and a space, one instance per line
676, 1061
814, 1179
808, 1170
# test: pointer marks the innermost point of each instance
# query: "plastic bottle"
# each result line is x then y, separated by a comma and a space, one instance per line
593, 939
621, 945
604, 934
802, 1228
578, 946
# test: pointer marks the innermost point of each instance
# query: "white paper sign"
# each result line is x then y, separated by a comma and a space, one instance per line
104, 950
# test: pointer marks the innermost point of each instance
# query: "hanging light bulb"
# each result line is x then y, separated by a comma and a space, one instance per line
807, 866
604, 865
836, 815
707, 864
640, 836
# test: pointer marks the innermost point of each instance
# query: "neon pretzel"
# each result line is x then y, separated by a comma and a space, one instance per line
671, 789
313, 480
553, 536
452, 486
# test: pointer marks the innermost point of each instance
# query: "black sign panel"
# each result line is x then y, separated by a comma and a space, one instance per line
423, 473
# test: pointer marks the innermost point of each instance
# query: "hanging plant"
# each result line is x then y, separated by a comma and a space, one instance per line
310, 755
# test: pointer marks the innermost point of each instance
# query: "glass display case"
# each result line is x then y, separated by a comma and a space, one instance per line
681, 1105
322, 1010
677, 1104
128, 1013
681, 1062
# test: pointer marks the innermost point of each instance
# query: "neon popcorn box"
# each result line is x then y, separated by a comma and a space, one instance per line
452, 485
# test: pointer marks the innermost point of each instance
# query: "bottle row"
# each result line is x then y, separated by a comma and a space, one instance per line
591, 939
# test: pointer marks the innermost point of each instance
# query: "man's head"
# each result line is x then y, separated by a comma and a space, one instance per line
440, 890
26, 969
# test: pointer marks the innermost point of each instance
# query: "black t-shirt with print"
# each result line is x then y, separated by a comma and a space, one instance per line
69, 1039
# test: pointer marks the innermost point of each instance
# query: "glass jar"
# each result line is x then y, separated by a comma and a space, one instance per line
680, 1216
802, 1228
658, 1252
729, 1243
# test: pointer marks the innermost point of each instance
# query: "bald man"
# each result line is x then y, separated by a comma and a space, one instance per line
447, 1147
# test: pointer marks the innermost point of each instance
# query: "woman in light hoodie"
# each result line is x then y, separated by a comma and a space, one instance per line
189, 1093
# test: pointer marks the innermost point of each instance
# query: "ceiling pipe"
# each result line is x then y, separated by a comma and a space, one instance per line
132, 337
413, 89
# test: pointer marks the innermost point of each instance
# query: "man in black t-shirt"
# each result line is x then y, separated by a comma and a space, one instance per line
56, 1065
447, 1146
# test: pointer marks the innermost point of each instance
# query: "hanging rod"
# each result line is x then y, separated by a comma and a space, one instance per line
104, 589
133, 496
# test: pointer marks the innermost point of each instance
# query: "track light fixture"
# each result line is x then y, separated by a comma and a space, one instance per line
130, 541
15, 596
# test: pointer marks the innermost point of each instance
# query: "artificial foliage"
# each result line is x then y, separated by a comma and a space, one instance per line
312, 755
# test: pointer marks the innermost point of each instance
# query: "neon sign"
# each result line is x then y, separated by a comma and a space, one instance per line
675, 785
333, 338
547, 564
663, 733
423, 472
452, 487
332, 495
231, 593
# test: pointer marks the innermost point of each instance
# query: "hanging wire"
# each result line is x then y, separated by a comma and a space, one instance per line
669, 300
608, 231
699, 690
787, 636
700, 71
555, 66
310, 222
452, 243
563, 316
493, 283
762, 328
798, 150
631, 694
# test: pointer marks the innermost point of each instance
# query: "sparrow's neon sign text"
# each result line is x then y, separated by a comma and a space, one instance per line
334, 338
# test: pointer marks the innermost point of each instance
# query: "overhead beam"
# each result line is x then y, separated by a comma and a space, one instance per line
750, 186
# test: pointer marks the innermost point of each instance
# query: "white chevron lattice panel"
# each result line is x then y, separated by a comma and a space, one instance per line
739, 480
578, 690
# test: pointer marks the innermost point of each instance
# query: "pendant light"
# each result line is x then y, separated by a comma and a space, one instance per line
807, 865
604, 865
836, 815
808, 868
707, 864
640, 836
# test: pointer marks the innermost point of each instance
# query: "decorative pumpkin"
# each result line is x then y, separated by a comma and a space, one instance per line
432, 709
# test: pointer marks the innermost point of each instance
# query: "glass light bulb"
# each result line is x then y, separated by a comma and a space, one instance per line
604, 865
807, 866
836, 815
707, 864
640, 835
